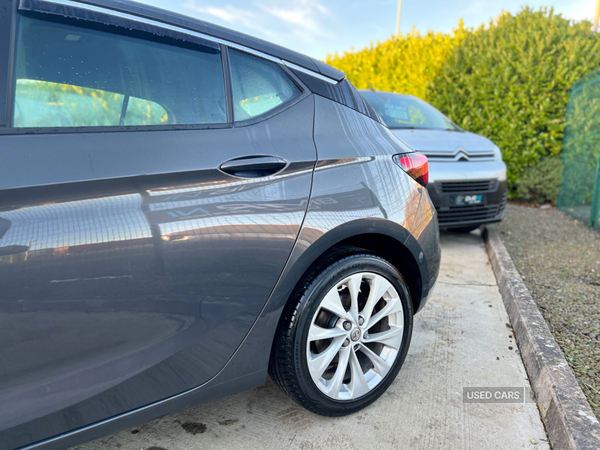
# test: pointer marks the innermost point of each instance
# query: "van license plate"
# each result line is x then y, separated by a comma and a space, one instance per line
466, 199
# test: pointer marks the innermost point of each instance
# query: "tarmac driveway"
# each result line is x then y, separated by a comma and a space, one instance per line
461, 339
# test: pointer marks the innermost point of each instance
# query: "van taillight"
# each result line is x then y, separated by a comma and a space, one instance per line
415, 165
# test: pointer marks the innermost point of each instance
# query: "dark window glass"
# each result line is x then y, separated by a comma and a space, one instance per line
258, 85
68, 76
406, 111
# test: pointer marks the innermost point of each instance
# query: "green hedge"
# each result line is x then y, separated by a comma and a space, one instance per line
510, 81
540, 183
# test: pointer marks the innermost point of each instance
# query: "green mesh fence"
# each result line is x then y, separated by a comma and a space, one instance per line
579, 194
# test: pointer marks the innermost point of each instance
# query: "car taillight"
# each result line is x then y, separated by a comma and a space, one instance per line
415, 165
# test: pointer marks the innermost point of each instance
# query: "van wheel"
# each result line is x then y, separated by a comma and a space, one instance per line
345, 334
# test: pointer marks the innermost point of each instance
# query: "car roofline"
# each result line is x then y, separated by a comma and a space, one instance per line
199, 28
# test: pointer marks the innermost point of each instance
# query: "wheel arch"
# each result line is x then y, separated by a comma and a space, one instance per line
381, 236
387, 239
396, 253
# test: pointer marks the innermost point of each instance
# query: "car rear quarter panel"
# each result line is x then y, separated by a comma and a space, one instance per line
357, 190
356, 179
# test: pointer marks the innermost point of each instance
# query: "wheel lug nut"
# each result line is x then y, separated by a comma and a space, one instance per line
346, 342
361, 320
347, 325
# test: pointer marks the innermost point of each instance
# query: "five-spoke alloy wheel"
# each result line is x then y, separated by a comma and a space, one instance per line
345, 335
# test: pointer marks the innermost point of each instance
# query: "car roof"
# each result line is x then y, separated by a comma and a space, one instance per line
226, 34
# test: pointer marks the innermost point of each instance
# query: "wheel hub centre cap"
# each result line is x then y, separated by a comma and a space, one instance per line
355, 335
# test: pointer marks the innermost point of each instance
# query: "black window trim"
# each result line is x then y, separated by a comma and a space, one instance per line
227, 79
7, 25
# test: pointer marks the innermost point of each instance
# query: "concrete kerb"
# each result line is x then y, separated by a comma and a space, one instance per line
568, 417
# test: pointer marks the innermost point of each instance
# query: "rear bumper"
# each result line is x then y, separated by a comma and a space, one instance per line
430, 266
468, 179
424, 245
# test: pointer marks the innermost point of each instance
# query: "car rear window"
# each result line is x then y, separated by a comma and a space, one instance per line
405, 111
68, 76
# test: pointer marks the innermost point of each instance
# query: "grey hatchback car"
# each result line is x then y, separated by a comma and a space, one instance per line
185, 209
467, 179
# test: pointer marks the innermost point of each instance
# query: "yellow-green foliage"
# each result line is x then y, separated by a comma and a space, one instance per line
404, 64
47, 104
509, 80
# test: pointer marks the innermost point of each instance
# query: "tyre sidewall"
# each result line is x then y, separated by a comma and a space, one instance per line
311, 301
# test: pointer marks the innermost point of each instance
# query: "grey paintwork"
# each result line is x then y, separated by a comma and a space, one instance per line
160, 282
138, 278
427, 140
394, 198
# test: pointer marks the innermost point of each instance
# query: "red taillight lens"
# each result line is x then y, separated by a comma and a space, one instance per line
415, 165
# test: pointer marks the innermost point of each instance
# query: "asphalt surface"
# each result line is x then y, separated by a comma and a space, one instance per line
461, 339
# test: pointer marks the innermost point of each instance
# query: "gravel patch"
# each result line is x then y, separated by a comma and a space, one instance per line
559, 260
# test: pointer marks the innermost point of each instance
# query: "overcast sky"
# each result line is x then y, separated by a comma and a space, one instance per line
319, 27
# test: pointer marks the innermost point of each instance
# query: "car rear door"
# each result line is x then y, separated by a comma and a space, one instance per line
141, 229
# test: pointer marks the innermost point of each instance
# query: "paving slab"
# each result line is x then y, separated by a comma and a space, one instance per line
461, 339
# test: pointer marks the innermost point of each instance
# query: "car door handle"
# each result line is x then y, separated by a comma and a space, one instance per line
253, 166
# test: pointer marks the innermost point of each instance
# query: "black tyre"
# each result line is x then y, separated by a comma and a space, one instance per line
345, 334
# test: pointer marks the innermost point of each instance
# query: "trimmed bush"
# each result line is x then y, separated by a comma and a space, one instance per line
508, 81
405, 64
540, 182
511, 81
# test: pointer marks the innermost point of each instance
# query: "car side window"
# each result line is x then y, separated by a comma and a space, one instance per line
258, 85
68, 76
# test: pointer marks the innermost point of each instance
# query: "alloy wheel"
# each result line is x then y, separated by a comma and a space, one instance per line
355, 336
